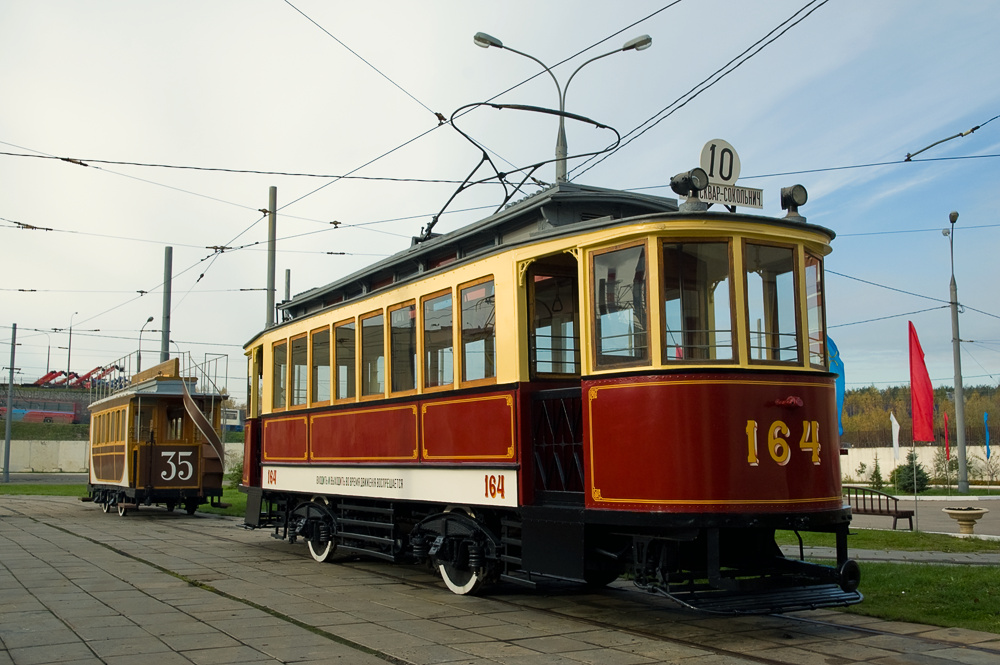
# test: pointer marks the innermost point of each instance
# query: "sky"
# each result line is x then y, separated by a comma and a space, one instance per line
833, 96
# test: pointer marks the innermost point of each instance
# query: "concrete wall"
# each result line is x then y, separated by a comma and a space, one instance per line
48, 456
70, 456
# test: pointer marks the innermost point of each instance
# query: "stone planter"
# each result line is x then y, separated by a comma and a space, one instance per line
966, 517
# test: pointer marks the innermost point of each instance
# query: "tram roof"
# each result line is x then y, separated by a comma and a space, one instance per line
559, 209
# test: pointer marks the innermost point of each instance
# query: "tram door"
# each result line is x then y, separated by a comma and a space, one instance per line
554, 364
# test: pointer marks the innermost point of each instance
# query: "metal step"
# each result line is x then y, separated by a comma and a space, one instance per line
766, 601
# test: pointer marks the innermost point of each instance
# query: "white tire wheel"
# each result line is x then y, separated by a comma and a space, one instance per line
461, 582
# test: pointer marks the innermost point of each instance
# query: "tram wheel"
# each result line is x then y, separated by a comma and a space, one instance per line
321, 551
122, 510
105, 504
170, 505
190, 506
461, 581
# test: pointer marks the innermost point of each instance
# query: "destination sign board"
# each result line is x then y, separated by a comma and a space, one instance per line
731, 195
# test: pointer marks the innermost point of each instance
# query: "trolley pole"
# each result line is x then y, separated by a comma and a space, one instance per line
168, 272
10, 407
272, 224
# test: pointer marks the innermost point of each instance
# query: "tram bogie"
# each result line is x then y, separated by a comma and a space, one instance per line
589, 383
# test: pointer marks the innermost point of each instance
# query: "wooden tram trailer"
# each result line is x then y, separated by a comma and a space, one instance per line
151, 443
588, 382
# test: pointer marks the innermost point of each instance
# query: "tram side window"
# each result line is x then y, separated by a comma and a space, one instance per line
553, 345
345, 355
814, 310
280, 377
256, 381
770, 275
620, 317
478, 332
320, 374
403, 347
373, 355
145, 424
300, 371
696, 302
438, 352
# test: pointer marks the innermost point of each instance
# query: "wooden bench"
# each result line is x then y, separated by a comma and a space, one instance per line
864, 501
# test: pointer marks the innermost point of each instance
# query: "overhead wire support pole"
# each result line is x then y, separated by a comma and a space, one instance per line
956, 349
10, 407
272, 224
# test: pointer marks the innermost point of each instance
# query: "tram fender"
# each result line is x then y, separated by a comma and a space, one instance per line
553, 542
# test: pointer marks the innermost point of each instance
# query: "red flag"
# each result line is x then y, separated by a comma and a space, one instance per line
947, 452
921, 393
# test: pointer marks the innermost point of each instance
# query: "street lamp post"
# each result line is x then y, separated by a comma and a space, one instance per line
69, 345
956, 350
640, 43
138, 361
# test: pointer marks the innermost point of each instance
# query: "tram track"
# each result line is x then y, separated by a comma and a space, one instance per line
665, 625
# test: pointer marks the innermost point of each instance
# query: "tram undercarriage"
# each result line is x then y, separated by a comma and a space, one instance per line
704, 562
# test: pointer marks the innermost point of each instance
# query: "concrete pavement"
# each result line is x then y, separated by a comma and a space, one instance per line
79, 586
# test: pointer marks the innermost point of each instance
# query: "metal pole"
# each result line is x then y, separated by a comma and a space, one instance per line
272, 225
69, 345
168, 273
10, 407
956, 350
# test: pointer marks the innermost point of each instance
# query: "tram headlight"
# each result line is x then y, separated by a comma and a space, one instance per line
793, 197
690, 182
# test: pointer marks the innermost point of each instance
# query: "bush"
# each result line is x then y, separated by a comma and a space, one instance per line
944, 471
902, 477
234, 470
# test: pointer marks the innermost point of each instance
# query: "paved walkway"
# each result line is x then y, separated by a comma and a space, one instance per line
81, 587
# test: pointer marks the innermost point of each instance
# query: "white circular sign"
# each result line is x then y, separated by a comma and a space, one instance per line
720, 161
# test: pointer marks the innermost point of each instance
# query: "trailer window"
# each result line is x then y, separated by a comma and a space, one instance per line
403, 347
619, 297
345, 355
814, 310
478, 332
438, 354
175, 423
320, 365
770, 280
279, 376
373, 355
300, 371
696, 302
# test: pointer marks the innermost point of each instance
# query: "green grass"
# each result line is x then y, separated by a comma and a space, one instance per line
951, 596
43, 489
237, 504
907, 541
22, 431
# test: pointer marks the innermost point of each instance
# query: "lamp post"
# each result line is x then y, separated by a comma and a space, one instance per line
956, 350
69, 345
138, 362
640, 43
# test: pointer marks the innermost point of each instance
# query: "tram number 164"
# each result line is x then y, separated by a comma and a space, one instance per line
777, 444
494, 486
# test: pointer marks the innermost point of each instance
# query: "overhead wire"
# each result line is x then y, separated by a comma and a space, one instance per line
705, 84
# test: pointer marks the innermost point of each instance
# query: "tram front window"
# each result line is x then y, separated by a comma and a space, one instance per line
770, 275
814, 311
696, 302
620, 317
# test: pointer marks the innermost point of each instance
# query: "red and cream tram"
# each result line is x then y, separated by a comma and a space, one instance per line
586, 383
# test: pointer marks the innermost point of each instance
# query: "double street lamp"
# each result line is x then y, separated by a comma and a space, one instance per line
640, 43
